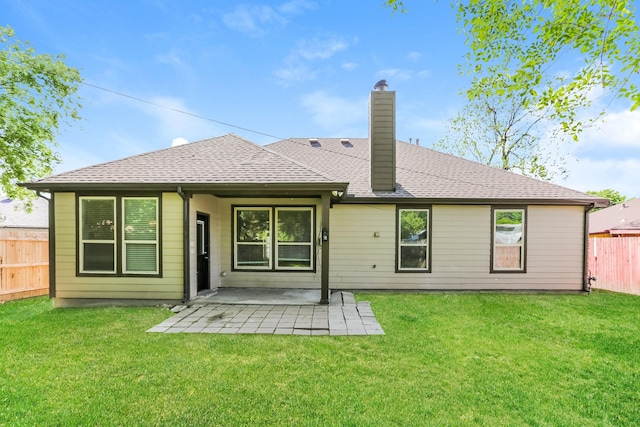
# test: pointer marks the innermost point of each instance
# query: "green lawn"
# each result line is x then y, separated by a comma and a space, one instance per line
446, 359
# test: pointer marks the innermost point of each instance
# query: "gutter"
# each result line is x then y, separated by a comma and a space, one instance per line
185, 244
52, 243
586, 284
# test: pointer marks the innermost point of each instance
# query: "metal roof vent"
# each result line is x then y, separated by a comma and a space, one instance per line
381, 86
345, 142
314, 142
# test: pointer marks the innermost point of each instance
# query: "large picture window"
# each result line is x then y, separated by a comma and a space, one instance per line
118, 235
273, 238
509, 240
413, 239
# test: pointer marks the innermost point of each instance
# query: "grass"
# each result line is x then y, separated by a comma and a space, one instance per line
446, 359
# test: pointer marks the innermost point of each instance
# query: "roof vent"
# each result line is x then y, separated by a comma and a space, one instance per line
345, 142
381, 86
314, 142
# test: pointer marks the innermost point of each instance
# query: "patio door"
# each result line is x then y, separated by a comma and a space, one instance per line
202, 244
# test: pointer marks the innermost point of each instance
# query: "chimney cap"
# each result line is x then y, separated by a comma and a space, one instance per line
381, 86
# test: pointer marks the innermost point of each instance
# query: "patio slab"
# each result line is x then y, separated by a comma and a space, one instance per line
343, 316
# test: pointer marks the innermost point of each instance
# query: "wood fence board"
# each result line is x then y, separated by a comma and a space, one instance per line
615, 262
24, 263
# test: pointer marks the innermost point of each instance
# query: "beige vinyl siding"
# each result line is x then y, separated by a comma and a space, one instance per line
70, 286
265, 279
382, 133
206, 204
461, 247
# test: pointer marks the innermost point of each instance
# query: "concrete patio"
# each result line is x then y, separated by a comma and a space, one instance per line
242, 312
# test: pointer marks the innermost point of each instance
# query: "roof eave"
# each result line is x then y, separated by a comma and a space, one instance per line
220, 189
473, 201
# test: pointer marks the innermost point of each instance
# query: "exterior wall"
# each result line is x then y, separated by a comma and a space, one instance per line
206, 204
382, 137
265, 279
70, 286
461, 248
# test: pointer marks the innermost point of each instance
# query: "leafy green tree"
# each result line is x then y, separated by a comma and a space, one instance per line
37, 95
516, 52
614, 196
500, 132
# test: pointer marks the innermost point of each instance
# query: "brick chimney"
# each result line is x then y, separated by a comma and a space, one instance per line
382, 138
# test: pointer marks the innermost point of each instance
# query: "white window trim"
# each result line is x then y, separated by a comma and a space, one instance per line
427, 267
520, 244
82, 241
276, 259
266, 243
144, 242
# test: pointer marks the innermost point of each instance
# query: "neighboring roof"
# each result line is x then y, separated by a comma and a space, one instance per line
13, 215
224, 160
423, 173
623, 218
228, 164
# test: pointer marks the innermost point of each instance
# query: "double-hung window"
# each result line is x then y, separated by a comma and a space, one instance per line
97, 242
118, 235
508, 236
273, 238
413, 239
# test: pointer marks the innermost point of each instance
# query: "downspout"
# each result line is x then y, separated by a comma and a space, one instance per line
586, 285
52, 243
185, 244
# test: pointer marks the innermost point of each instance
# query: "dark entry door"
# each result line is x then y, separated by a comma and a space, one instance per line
202, 227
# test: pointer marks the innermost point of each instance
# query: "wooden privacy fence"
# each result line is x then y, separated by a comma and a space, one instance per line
24, 263
615, 262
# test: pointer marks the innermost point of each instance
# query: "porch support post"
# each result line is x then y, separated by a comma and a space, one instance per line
325, 238
185, 246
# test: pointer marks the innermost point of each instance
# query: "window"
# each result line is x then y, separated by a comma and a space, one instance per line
140, 236
413, 240
509, 240
118, 235
98, 234
273, 238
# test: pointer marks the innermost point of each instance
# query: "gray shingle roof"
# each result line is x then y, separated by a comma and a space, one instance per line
620, 218
421, 173
227, 159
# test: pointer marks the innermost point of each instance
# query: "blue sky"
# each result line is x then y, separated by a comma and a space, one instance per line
286, 69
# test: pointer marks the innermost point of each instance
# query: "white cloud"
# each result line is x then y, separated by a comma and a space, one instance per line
414, 56
296, 66
597, 174
621, 129
349, 66
294, 73
251, 20
395, 73
295, 7
341, 116
320, 48
172, 122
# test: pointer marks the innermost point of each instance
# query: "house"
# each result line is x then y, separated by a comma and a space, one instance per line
24, 249
618, 220
321, 213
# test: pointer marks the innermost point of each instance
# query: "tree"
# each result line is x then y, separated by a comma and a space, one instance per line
500, 132
608, 193
37, 96
516, 53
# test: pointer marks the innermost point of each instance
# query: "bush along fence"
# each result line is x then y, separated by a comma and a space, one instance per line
24, 263
615, 263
